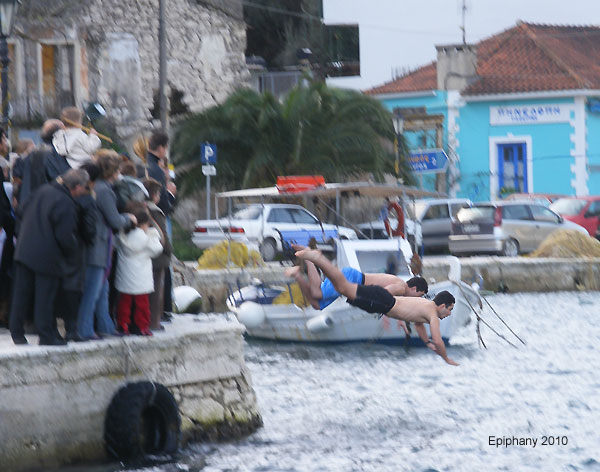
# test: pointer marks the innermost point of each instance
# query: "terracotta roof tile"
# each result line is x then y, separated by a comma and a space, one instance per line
422, 79
525, 58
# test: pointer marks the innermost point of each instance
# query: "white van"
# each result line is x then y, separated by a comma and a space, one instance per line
428, 222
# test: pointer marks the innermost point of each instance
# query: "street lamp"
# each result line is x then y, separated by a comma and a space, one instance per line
8, 13
398, 122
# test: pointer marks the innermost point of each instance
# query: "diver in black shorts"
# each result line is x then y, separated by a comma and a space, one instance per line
376, 299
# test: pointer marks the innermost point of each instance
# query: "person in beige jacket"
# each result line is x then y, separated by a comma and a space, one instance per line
72, 143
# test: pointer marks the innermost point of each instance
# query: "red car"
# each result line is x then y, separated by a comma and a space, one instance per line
585, 211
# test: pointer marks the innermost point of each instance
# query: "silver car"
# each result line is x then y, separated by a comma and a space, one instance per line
504, 228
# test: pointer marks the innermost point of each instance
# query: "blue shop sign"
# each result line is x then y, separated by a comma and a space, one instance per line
428, 160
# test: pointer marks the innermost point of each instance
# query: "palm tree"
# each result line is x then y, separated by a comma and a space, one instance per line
316, 130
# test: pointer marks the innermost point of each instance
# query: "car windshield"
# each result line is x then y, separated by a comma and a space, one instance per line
247, 213
568, 206
476, 213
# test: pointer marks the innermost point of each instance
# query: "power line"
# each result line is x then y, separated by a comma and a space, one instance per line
592, 30
282, 11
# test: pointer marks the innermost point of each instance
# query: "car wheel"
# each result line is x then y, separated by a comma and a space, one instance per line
511, 248
268, 249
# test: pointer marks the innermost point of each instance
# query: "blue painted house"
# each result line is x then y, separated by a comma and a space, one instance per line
518, 112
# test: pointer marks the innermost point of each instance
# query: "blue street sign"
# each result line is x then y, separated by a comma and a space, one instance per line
208, 154
428, 160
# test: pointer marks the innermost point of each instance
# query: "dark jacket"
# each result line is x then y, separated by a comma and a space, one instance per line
86, 231
48, 229
167, 200
109, 220
163, 260
7, 220
128, 189
56, 164
41, 166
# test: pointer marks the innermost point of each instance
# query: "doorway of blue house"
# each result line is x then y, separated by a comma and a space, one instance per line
512, 168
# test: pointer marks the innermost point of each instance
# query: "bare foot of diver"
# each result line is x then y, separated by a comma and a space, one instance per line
293, 272
308, 254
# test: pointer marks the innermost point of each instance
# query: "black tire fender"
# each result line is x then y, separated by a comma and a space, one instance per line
142, 418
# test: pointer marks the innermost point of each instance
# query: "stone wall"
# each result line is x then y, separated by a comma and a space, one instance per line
215, 285
53, 401
522, 274
206, 40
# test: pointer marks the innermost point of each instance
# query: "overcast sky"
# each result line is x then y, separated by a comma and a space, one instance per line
402, 34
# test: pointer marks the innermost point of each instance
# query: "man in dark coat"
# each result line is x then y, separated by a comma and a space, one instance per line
156, 162
41, 166
47, 238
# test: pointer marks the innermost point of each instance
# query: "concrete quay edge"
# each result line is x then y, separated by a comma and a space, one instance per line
53, 400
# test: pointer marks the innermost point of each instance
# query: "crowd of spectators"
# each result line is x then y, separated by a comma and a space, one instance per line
85, 236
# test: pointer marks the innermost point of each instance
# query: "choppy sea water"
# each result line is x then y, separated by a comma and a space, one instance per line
370, 407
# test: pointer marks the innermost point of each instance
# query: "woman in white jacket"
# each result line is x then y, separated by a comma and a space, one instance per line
133, 280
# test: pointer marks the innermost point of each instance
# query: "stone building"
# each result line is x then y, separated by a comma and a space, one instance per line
69, 52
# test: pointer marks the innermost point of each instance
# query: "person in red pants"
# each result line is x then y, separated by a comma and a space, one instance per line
135, 250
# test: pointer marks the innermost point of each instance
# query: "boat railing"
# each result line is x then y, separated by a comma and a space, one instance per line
320, 239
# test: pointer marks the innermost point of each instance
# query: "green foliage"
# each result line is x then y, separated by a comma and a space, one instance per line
316, 130
183, 248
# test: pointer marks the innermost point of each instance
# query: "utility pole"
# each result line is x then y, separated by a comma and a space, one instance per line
162, 71
463, 27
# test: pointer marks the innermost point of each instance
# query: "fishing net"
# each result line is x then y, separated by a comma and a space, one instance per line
285, 299
218, 256
568, 243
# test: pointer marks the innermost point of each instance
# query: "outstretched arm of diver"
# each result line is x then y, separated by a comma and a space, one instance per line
422, 332
436, 339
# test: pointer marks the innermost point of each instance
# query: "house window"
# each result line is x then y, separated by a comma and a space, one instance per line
48, 70
512, 168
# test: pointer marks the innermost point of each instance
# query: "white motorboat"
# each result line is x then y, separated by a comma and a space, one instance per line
341, 322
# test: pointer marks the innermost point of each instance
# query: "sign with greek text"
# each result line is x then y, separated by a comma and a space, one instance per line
530, 114
428, 160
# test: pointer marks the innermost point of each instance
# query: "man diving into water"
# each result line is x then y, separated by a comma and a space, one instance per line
320, 294
376, 299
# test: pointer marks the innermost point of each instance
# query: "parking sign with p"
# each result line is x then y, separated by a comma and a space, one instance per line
208, 153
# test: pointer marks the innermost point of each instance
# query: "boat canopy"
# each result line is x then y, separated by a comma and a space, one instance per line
358, 189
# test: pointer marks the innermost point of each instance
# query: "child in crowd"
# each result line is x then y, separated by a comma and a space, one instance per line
72, 143
133, 279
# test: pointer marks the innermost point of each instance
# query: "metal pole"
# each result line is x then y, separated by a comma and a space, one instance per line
337, 207
208, 197
162, 71
4, 61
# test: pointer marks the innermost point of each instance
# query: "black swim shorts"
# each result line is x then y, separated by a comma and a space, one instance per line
373, 299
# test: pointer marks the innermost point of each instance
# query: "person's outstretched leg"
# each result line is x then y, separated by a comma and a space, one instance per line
296, 273
314, 281
335, 275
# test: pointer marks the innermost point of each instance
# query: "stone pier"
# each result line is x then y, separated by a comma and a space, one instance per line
53, 400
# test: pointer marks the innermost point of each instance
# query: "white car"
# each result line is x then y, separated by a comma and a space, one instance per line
259, 225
